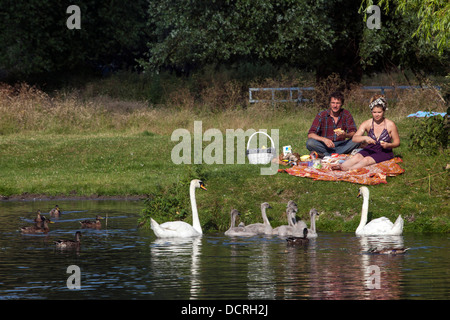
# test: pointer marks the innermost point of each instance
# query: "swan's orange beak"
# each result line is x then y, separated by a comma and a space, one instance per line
359, 194
203, 187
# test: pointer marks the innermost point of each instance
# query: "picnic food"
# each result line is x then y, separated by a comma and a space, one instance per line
339, 131
291, 157
305, 157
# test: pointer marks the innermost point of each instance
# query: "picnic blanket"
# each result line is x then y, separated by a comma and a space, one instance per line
370, 175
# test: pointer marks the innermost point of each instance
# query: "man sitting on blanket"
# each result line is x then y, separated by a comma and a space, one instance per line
332, 129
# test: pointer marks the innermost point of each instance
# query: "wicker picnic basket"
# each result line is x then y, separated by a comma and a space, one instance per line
260, 156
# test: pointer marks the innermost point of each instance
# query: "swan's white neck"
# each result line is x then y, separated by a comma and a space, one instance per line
195, 220
364, 213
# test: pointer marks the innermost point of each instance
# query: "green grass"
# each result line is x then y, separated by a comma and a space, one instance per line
80, 165
70, 145
137, 163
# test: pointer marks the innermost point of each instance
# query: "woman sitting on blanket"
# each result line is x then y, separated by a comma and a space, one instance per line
382, 136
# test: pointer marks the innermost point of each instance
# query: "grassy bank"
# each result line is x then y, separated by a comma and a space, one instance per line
79, 143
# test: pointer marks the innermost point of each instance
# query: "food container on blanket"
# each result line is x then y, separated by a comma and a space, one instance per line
326, 159
317, 164
287, 150
260, 155
306, 157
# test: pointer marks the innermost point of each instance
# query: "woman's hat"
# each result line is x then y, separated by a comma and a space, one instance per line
381, 101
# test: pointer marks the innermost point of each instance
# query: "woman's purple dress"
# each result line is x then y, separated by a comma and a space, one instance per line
376, 151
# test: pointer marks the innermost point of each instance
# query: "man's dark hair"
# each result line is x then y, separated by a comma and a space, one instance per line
337, 95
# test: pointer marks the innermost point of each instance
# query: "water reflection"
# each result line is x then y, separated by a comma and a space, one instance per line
382, 274
332, 269
123, 262
337, 268
380, 242
296, 275
261, 282
177, 259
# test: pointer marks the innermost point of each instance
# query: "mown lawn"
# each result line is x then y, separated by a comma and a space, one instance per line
138, 162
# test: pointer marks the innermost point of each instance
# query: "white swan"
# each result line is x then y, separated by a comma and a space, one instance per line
174, 229
261, 228
237, 231
379, 226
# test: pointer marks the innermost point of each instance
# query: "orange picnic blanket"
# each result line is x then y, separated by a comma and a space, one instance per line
370, 175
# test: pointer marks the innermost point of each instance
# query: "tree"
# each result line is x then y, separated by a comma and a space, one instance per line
36, 41
398, 44
190, 34
322, 36
433, 16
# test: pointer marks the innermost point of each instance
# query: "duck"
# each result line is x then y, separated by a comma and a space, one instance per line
66, 243
388, 251
39, 219
299, 240
39, 227
261, 228
92, 224
379, 226
181, 229
55, 212
239, 230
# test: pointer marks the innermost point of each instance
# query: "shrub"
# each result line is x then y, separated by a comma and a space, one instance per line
171, 203
430, 135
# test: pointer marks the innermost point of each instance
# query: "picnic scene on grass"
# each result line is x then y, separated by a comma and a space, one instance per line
128, 173
342, 151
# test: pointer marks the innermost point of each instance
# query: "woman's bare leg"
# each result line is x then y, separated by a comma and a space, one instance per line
346, 165
366, 161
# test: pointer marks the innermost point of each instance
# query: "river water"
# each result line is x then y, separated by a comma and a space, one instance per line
121, 261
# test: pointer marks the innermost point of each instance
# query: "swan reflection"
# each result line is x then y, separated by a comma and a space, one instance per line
370, 242
341, 268
175, 259
261, 282
381, 274
255, 268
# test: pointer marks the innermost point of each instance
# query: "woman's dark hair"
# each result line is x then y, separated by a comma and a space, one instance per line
337, 95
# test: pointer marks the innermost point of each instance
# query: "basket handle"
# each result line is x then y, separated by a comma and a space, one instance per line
248, 143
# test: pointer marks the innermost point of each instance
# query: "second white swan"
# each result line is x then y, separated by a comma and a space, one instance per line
379, 226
